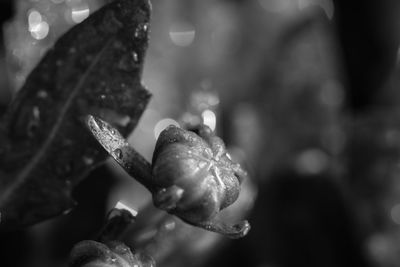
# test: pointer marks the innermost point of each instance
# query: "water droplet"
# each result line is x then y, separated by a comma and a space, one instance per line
118, 153
112, 131
42, 94
36, 113
135, 57
141, 30
87, 160
103, 97
113, 259
67, 211
202, 164
170, 225
72, 50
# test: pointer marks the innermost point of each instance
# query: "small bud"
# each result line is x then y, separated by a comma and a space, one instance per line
196, 175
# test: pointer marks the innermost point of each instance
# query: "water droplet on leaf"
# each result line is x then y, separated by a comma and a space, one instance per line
141, 30
87, 160
118, 153
135, 57
42, 94
67, 211
36, 113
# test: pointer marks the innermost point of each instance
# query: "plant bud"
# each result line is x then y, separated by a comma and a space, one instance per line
195, 173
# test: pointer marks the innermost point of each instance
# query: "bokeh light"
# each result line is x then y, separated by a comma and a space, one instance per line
182, 34
162, 124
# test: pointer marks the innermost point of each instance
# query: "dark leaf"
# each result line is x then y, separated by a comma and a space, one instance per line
45, 148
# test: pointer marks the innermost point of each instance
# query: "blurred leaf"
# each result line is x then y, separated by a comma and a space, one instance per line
45, 148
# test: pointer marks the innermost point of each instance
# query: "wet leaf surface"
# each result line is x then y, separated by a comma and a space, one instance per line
45, 149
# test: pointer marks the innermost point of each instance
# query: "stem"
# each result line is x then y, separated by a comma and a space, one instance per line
126, 156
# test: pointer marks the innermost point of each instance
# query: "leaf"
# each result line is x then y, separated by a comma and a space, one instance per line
45, 149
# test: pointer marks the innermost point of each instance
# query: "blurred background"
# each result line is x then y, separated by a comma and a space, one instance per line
305, 94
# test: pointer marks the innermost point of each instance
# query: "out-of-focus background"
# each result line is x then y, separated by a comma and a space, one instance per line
304, 92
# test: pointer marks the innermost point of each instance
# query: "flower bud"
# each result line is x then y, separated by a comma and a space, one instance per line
197, 176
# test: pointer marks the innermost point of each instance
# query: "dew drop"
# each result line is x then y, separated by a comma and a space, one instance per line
67, 211
36, 113
202, 164
118, 153
135, 57
87, 160
103, 97
169, 225
141, 30
42, 94
137, 33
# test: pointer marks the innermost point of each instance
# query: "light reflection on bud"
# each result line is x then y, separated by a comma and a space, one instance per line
209, 119
162, 124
